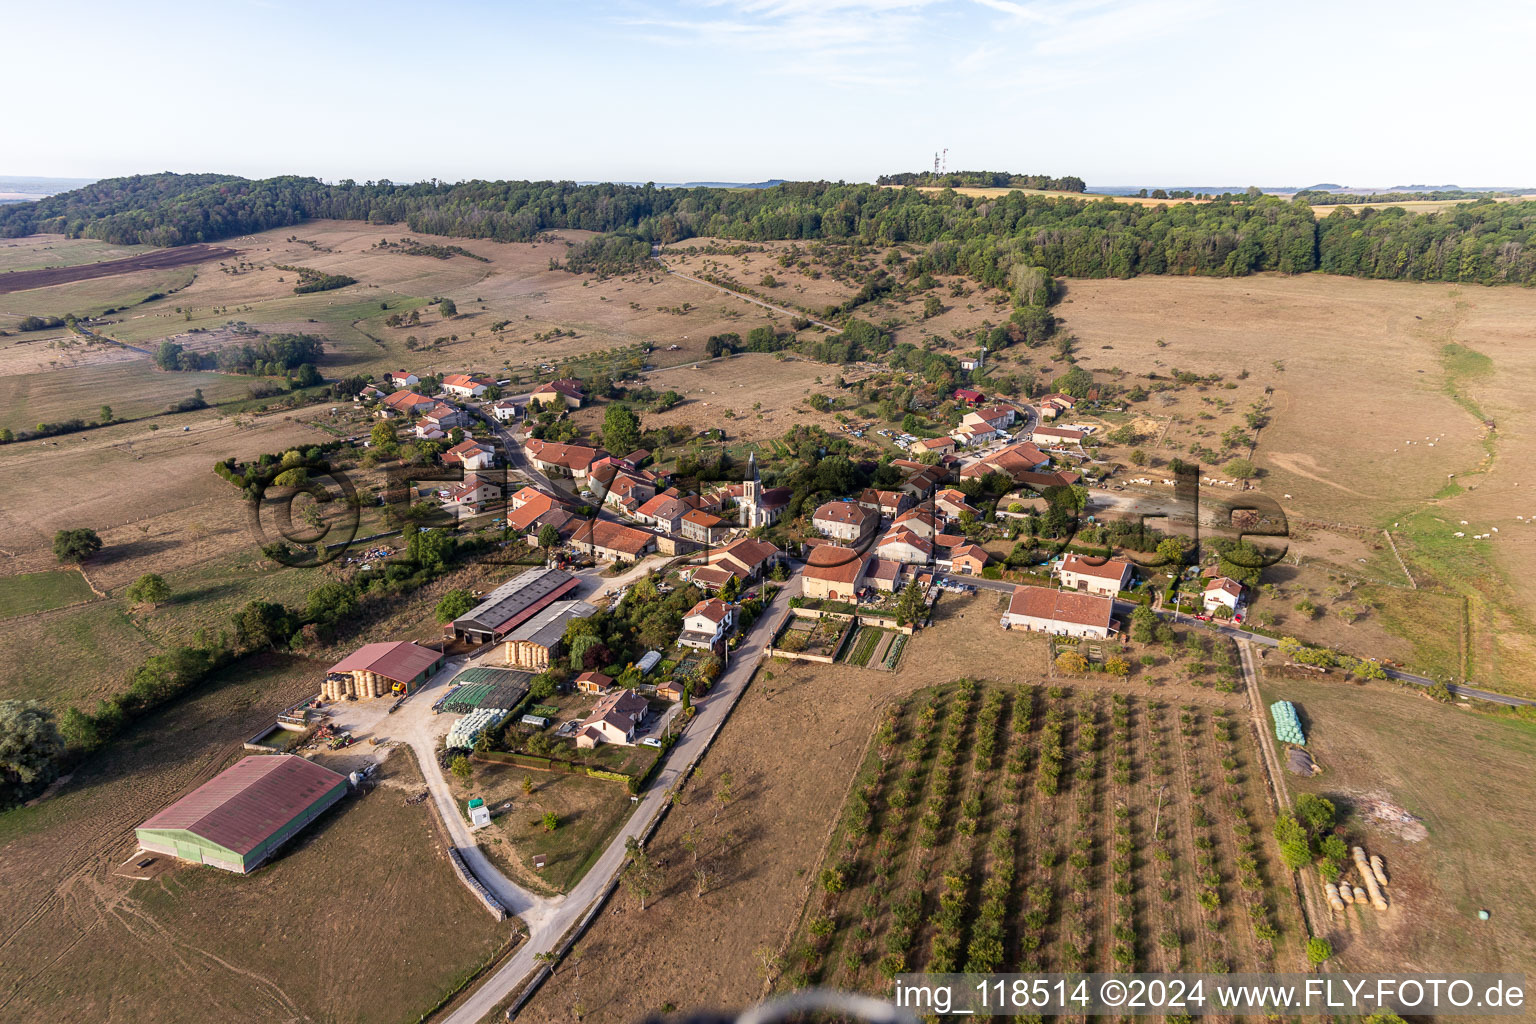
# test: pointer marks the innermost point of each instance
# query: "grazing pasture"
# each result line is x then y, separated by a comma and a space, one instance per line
1462, 777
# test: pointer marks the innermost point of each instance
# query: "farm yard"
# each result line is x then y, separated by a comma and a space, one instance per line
364, 900
1024, 828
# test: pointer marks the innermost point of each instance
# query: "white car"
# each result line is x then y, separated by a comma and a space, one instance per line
650, 741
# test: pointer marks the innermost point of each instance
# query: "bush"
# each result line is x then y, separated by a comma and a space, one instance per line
1319, 950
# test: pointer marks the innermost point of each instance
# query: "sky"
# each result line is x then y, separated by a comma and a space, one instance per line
1143, 92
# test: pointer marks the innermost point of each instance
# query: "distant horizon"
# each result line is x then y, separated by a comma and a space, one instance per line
12, 186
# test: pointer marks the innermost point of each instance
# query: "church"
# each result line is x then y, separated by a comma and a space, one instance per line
756, 506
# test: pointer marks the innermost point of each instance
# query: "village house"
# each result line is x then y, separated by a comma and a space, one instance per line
403, 379
968, 559
614, 541
470, 495
707, 625
888, 503
703, 527
504, 410
881, 574
594, 682
628, 491
445, 417
407, 403
971, 434
471, 454
968, 396
465, 386
613, 720
564, 392
1014, 460
832, 573
902, 545
746, 558
998, 417
1077, 572
1222, 592
921, 480
664, 512
942, 445
845, 521
1060, 612
1056, 436
974, 362
950, 502
571, 460
369, 393
919, 521
1054, 405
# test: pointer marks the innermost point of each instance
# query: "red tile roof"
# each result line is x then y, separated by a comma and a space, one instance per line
612, 536
712, 608
843, 512
1062, 606
400, 661
244, 805
1114, 569
833, 563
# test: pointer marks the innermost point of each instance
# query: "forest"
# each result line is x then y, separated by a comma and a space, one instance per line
1484, 242
269, 355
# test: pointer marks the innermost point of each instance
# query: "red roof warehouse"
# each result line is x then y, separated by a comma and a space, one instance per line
241, 816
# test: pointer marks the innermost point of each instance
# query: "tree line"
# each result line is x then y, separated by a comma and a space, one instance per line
984, 238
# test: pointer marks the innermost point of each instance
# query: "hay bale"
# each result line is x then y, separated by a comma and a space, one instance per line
1334, 899
1379, 868
1378, 900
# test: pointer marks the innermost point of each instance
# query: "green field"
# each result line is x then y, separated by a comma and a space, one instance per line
40, 591
35, 254
132, 388
93, 297
70, 655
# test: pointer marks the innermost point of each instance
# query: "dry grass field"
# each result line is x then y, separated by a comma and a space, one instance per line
360, 919
992, 193
790, 749
1465, 776
751, 396
1377, 422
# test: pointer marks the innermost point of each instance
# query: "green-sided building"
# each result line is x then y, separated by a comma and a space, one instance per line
240, 817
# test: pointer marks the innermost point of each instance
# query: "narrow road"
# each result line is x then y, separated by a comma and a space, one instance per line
549, 920
792, 313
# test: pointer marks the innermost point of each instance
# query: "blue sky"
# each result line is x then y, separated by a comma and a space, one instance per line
1117, 91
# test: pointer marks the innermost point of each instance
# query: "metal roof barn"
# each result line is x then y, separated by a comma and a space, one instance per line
512, 603
240, 817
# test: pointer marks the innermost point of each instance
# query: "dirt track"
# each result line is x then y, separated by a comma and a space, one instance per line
162, 259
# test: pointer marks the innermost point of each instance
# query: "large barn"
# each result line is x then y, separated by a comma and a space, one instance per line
513, 603
239, 818
374, 670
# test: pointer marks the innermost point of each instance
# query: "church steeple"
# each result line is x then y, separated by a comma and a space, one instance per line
749, 492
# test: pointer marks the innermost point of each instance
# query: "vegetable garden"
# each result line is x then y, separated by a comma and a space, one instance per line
1025, 828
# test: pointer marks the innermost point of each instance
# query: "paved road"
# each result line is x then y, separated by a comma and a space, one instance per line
1124, 608
549, 919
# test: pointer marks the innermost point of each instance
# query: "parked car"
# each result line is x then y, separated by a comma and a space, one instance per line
650, 741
